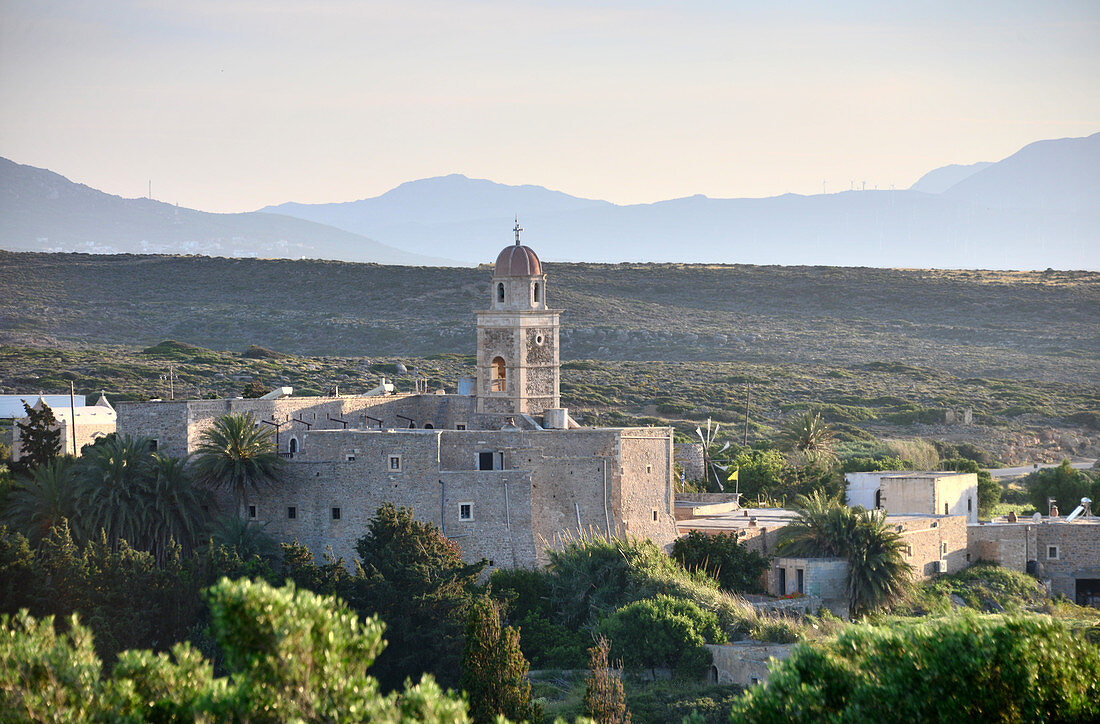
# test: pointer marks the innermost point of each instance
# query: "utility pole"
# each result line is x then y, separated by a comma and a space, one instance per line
748, 392
72, 412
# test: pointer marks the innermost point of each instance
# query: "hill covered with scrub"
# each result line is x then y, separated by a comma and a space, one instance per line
886, 352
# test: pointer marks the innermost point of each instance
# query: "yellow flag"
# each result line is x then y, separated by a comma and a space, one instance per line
733, 475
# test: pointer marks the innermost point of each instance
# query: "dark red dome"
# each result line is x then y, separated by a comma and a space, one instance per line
518, 261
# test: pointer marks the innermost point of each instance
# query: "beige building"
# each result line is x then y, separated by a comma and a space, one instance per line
504, 471
917, 493
90, 423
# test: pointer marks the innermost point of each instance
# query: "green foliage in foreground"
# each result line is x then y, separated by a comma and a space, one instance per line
964, 668
292, 656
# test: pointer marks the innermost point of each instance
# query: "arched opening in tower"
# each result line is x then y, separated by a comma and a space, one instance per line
500, 374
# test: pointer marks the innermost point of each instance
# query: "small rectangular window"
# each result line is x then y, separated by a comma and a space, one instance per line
943, 548
649, 468
466, 511
655, 516
336, 514
485, 461
395, 463
349, 457
460, 425
1052, 553
969, 505
154, 444
292, 513
252, 511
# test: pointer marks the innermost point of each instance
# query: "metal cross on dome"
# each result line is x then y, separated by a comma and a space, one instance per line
517, 230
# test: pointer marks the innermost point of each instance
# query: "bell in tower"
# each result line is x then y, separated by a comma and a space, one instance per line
517, 338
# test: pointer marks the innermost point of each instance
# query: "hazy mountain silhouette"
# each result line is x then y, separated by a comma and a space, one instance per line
43, 211
939, 180
1036, 209
1059, 175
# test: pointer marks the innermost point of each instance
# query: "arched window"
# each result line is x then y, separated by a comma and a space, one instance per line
536, 293
293, 446
500, 292
499, 375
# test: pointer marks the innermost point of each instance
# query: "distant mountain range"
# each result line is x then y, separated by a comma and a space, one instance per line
43, 211
1036, 209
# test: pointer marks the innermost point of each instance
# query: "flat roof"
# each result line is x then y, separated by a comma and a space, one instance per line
770, 518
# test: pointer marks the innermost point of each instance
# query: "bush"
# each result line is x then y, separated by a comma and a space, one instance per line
723, 558
292, 656
1063, 483
663, 632
963, 668
592, 578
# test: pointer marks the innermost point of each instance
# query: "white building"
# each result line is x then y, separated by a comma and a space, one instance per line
91, 423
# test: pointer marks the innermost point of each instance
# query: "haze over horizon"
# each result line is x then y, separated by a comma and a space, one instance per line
233, 107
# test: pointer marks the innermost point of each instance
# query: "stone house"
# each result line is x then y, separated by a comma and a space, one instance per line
1066, 555
504, 471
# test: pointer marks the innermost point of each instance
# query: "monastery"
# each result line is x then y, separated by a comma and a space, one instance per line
501, 467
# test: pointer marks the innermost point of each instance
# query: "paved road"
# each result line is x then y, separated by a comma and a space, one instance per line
1080, 464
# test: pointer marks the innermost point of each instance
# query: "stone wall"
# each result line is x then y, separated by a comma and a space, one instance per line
689, 456
172, 423
544, 486
1077, 555
822, 577
930, 539
744, 663
1012, 545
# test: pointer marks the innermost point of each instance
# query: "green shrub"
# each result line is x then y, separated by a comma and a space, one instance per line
723, 558
663, 632
962, 668
1063, 483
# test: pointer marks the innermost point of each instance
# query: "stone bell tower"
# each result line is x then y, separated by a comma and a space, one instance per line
517, 338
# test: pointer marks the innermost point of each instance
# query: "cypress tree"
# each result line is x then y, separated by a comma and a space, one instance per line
494, 672
39, 437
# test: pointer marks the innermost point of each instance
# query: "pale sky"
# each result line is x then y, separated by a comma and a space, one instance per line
230, 106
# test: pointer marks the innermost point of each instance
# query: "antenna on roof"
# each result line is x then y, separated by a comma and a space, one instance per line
517, 229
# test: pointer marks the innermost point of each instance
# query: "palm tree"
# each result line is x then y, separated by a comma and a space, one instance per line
823, 528
245, 537
114, 477
176, 509
877, 573
809, 437
235, 453
40, 502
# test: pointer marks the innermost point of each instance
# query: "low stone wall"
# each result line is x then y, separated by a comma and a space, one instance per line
744, 663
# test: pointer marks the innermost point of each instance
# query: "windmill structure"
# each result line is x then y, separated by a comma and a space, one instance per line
713, 458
